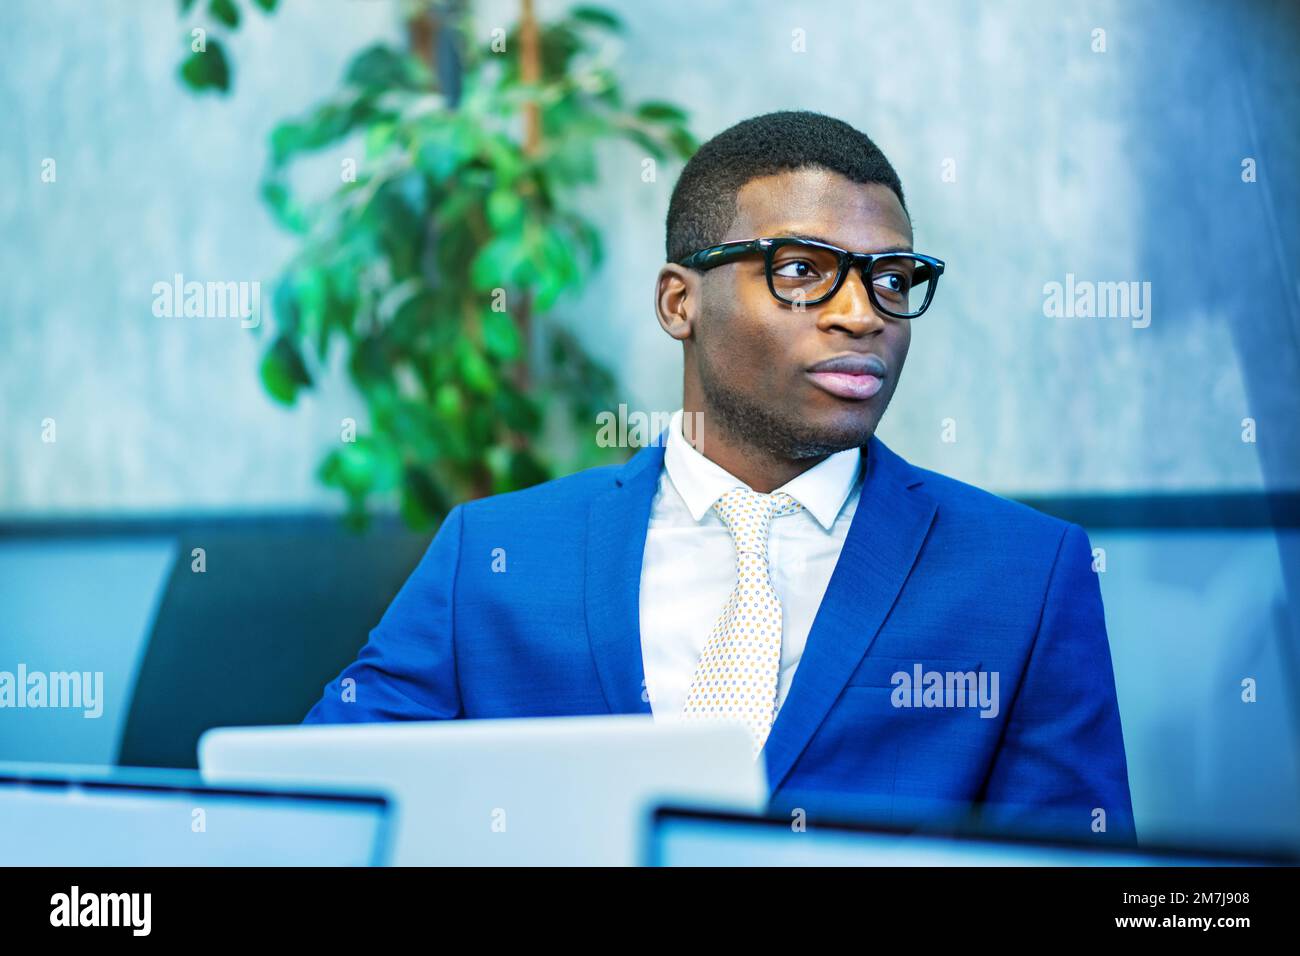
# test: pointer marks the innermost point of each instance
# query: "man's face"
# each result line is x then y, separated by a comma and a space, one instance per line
754, 358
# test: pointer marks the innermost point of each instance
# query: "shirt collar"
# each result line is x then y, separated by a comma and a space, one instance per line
822, 489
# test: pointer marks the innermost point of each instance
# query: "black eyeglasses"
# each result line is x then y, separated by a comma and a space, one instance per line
804, 272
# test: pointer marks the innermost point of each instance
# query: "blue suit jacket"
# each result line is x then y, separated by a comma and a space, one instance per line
526, 604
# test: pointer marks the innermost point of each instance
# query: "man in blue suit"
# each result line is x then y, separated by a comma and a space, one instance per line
901, 645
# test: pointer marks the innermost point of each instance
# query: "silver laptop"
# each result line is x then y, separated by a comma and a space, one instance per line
537, 791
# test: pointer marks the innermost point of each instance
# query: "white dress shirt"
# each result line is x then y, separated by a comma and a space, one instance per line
689, 566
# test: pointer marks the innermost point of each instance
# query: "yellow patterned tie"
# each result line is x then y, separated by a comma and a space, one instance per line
736, 677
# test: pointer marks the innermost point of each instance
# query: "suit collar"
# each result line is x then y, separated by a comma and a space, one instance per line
822, 489
891, 523
893, 517
617, 523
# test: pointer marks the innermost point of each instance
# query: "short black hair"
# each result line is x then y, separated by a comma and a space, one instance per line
703, 204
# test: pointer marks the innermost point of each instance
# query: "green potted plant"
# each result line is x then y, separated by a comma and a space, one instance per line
443, 258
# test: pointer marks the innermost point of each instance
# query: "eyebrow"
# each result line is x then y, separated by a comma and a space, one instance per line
803, 235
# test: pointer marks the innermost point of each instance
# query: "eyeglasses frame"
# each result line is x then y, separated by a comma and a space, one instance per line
712, 256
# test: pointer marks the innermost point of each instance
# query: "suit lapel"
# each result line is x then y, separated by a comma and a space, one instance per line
885, 536
616, 531
888, 528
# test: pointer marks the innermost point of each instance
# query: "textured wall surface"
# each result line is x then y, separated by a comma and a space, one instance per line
1123, 165
151, 413
1115, 166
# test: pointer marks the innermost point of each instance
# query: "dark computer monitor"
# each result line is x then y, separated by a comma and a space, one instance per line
53, 816
680, 836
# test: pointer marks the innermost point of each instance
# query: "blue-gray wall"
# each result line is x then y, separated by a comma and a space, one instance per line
150, 414
1123, 165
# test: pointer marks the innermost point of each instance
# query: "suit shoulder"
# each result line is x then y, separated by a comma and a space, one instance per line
963, 502
557, 495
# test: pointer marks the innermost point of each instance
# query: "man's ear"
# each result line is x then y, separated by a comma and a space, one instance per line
677, 299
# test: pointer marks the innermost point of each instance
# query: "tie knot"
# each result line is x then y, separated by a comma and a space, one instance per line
748, 515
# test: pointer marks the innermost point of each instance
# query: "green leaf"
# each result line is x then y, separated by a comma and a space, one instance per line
496, 263
646, 142
505, 210
395, 217
370, 363
186, 5
447, 402
683, 142
611, 96
497, 459
287, 139
225, 11
283, 371
597, 17
444, 147
380, 68
557, 268
207, 70
267, 5
287, 212
412, 330
474, 369
310, 285
369, 464
379, 137
288, 313
589, 236
660, 112
501, 335
329, 123
506, 158
351, 467
397, 297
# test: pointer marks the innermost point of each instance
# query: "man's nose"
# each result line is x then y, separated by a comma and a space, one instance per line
850, 310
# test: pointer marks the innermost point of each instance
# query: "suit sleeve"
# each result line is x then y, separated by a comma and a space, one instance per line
1061, 759
407, 669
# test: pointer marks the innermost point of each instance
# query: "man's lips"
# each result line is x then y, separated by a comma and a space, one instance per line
856, 377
